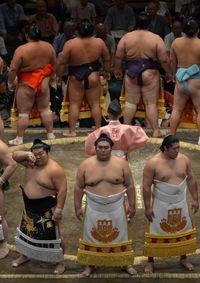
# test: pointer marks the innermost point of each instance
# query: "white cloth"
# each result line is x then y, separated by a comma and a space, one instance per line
106, 218
170, 209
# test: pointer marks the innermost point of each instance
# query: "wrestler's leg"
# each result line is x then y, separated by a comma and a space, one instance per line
42, 102
76, 94
1, 128
93, 97
130, 270
60, 266
132, 98
24, 100
20, 260
195, 97
180, 100
150, 95
3, 246
89, 269
149, 265
185, 263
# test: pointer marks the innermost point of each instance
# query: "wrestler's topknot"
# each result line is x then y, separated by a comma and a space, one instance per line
168, 141
85, 28
38, 143
104, 137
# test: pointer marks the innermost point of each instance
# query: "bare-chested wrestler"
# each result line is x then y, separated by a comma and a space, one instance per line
2, 88
82, 54
142, 51
104, 179
171, 232
7, 167
33, 65
185, 59
44, 191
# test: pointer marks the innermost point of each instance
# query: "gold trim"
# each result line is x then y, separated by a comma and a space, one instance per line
169, 236
114, 245
169, 249
105, 259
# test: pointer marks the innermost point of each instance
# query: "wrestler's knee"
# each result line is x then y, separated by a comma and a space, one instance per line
45, 112
23, 115
1, 229
130, 105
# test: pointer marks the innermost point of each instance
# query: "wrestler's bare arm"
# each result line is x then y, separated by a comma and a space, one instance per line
59, 181
15, 66
78, 190
119, 56
163, 56
7, 163
1, 65
192, 186
25, 158
129, 184
148, 178
106, 58
63, 58
173, 59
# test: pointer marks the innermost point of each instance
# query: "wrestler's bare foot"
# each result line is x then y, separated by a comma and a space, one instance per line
148, 267
3, 250
51, 136
130, 270
69, 134
186, 264
16, 141
60, 268
88, 271
159, 134
19, 261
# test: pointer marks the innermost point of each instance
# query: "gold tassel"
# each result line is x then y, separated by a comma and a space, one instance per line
105, 259
169, 249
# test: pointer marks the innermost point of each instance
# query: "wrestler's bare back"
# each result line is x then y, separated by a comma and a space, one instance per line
141, 44
79, 51
186, 51
172, 171
108, 177
33, 55
38, 181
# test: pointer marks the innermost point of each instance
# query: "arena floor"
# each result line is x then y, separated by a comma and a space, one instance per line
165, 269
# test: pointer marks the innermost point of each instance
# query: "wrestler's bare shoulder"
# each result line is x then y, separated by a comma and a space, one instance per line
34, 45
80, 41
3, 147
54, 166
183, 157
182, 41
1, 64
153, 161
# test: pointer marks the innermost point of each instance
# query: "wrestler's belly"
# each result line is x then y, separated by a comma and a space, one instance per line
105, 189
35, 192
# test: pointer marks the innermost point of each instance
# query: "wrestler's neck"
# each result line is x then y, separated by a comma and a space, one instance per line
169, 157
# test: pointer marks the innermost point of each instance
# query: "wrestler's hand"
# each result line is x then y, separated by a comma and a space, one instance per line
149, 214
169, 78
195, 206
131, 212
31, 159
107, 76
118, 75
11, 87
79, 214
56, 216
